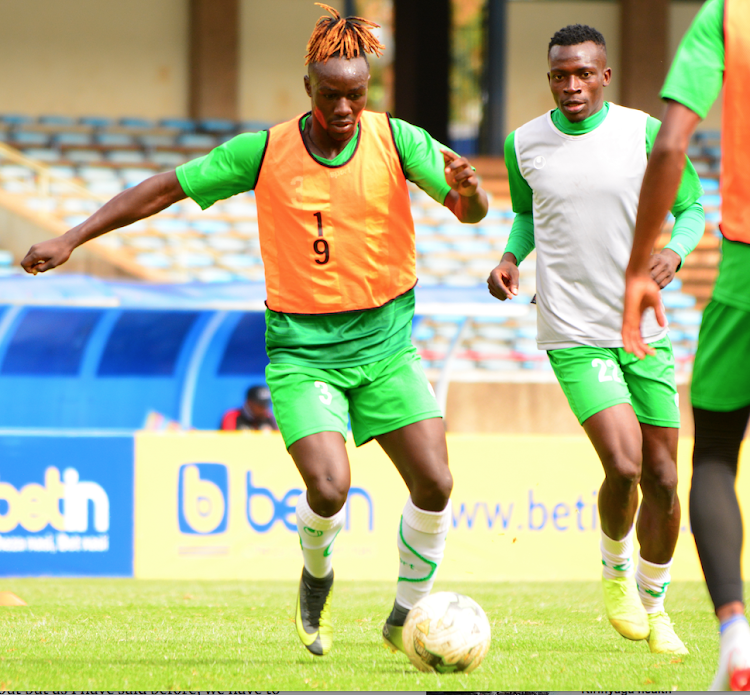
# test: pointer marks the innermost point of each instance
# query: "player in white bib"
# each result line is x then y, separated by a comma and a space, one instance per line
575, 174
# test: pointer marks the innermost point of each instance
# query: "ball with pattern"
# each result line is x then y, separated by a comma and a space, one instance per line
446, 632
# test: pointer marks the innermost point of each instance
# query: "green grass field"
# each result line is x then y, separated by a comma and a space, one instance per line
83, 634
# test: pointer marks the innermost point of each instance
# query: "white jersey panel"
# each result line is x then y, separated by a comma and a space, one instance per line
585, 198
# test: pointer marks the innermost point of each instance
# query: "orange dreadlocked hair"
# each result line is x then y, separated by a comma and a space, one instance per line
339, 36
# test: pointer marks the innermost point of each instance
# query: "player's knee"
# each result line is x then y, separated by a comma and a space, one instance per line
432, 492
623, 471
328, 495
661, 484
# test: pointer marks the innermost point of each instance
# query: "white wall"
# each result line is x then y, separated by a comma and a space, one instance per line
94, 57
272, 57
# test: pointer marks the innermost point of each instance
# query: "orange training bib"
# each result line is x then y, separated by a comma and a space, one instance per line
334, 238
735, 177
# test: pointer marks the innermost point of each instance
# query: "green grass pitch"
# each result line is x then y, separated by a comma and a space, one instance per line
123, 634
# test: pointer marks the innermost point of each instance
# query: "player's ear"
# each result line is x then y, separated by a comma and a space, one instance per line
308, 88
607, 77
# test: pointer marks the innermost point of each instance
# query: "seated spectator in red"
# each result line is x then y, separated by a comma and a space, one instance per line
255, 414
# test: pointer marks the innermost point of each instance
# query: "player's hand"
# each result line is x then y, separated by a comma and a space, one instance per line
459, 174
503, 281
641, 292
663, 267
47, 255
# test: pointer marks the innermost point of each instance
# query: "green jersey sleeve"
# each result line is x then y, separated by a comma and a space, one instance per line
421, 158
697, 73
521, 238
690, 220
225, 171
521, 195
689, 225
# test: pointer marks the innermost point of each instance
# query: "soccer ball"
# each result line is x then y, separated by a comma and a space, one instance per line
446, 632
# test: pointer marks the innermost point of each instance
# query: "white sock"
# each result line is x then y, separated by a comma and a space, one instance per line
617, 556
734, 650
652, 581
421, 542
316, 535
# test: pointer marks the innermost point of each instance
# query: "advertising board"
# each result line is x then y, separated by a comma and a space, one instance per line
66, 505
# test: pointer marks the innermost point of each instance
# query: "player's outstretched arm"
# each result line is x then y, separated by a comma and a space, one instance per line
503, 280
466, 200
660, 184
147, 198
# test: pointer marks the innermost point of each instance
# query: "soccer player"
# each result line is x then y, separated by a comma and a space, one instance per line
715, 51
337, 240
575, 174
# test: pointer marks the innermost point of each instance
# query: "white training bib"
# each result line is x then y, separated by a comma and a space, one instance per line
585, 199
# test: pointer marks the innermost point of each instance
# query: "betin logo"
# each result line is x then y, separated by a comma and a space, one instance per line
282, 508
202, 506
37, 506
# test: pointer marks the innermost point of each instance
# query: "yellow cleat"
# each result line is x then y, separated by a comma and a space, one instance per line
624, 608
662, 638
393, 637
313, 615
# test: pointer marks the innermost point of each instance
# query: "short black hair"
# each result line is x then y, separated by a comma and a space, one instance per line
574, 34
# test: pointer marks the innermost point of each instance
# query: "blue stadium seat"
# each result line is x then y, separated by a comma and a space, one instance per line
197, 140
114, 139
72, 138
254, 126
58, 121
13, 119
30, 137
97, 121
218, 125
157, 140
187, 125
138, 123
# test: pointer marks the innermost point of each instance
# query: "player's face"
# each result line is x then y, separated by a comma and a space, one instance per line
577, 77
338, 91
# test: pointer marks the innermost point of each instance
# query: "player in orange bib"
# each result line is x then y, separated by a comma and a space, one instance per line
337, 240
713, 54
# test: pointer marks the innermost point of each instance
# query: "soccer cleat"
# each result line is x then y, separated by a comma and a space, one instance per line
662, 638
394, 627
393, 638
731, 678
313, 614
740, 680
734, 656
624, 608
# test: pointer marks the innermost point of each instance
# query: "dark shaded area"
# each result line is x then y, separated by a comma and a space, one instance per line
422, 64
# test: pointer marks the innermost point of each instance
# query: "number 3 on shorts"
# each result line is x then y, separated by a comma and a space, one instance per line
602, 366
325, 395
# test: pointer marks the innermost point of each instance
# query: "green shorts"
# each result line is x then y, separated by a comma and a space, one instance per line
379, 397
721, 373
595, 378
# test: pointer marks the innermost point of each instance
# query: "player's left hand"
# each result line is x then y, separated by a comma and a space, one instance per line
459, 174
664, 265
